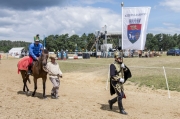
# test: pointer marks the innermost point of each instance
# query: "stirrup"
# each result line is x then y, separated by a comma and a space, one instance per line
29, 72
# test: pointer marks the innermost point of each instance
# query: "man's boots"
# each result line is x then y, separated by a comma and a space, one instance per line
121, 109
111, 102
29, 72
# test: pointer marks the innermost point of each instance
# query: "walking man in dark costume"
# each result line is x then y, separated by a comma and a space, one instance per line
119, 73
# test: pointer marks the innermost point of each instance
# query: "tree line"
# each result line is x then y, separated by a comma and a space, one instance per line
6, 45
163, 42
85, 42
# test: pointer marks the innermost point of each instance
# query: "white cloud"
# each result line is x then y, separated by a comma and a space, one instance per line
6, 31
168, 24
94, 1
167, 30
172, 4
23, 25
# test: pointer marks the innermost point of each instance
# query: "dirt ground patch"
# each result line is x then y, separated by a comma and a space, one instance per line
82, 96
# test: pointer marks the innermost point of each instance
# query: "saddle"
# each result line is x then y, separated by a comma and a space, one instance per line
31, 66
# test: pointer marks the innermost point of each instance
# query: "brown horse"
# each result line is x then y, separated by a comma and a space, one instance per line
38, 72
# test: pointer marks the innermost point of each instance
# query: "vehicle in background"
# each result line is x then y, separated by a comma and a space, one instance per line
173, 52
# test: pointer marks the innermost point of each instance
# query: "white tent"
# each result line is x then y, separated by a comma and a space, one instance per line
16, 52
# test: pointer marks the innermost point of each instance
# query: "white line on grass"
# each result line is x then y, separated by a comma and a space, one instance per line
128, 66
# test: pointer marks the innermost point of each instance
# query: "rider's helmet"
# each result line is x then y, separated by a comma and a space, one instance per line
36, 38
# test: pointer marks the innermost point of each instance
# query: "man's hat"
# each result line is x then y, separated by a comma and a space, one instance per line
52, 57
36, 38
118, 54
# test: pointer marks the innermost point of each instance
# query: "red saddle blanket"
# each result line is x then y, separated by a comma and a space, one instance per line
24, 63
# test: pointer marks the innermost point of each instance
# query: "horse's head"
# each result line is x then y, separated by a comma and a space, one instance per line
44, 57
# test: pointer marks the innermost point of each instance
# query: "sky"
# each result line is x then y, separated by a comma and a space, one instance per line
21, 20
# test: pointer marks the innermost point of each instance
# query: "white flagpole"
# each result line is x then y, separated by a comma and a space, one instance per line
122, 4
166, 82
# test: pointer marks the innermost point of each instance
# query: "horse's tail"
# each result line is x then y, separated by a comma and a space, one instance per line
29, 80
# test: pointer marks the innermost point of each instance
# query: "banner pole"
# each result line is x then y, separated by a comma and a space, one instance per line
122, 4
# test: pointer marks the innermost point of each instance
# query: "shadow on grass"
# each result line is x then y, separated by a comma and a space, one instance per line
106, 107
38, 95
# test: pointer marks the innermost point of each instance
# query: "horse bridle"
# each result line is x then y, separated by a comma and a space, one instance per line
44, 67
39, 60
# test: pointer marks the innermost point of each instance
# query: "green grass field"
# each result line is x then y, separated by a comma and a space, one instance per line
145, 71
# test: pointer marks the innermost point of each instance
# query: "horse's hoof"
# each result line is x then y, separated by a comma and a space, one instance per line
28, 93
44, 97
33, 95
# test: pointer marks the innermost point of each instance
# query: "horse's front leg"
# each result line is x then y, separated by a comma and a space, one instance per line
44, 87
35, 86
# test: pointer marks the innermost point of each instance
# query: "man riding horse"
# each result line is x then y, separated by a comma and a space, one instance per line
35, 50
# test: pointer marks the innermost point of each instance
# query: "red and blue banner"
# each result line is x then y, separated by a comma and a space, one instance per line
134, 26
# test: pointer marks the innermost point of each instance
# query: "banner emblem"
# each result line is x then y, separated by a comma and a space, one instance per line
133, 32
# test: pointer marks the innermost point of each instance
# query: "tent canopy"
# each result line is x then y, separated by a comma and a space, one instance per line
16, 51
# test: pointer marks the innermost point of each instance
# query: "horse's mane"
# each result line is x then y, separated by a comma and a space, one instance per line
45, 51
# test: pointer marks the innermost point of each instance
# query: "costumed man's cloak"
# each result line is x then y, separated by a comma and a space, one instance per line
127, 74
